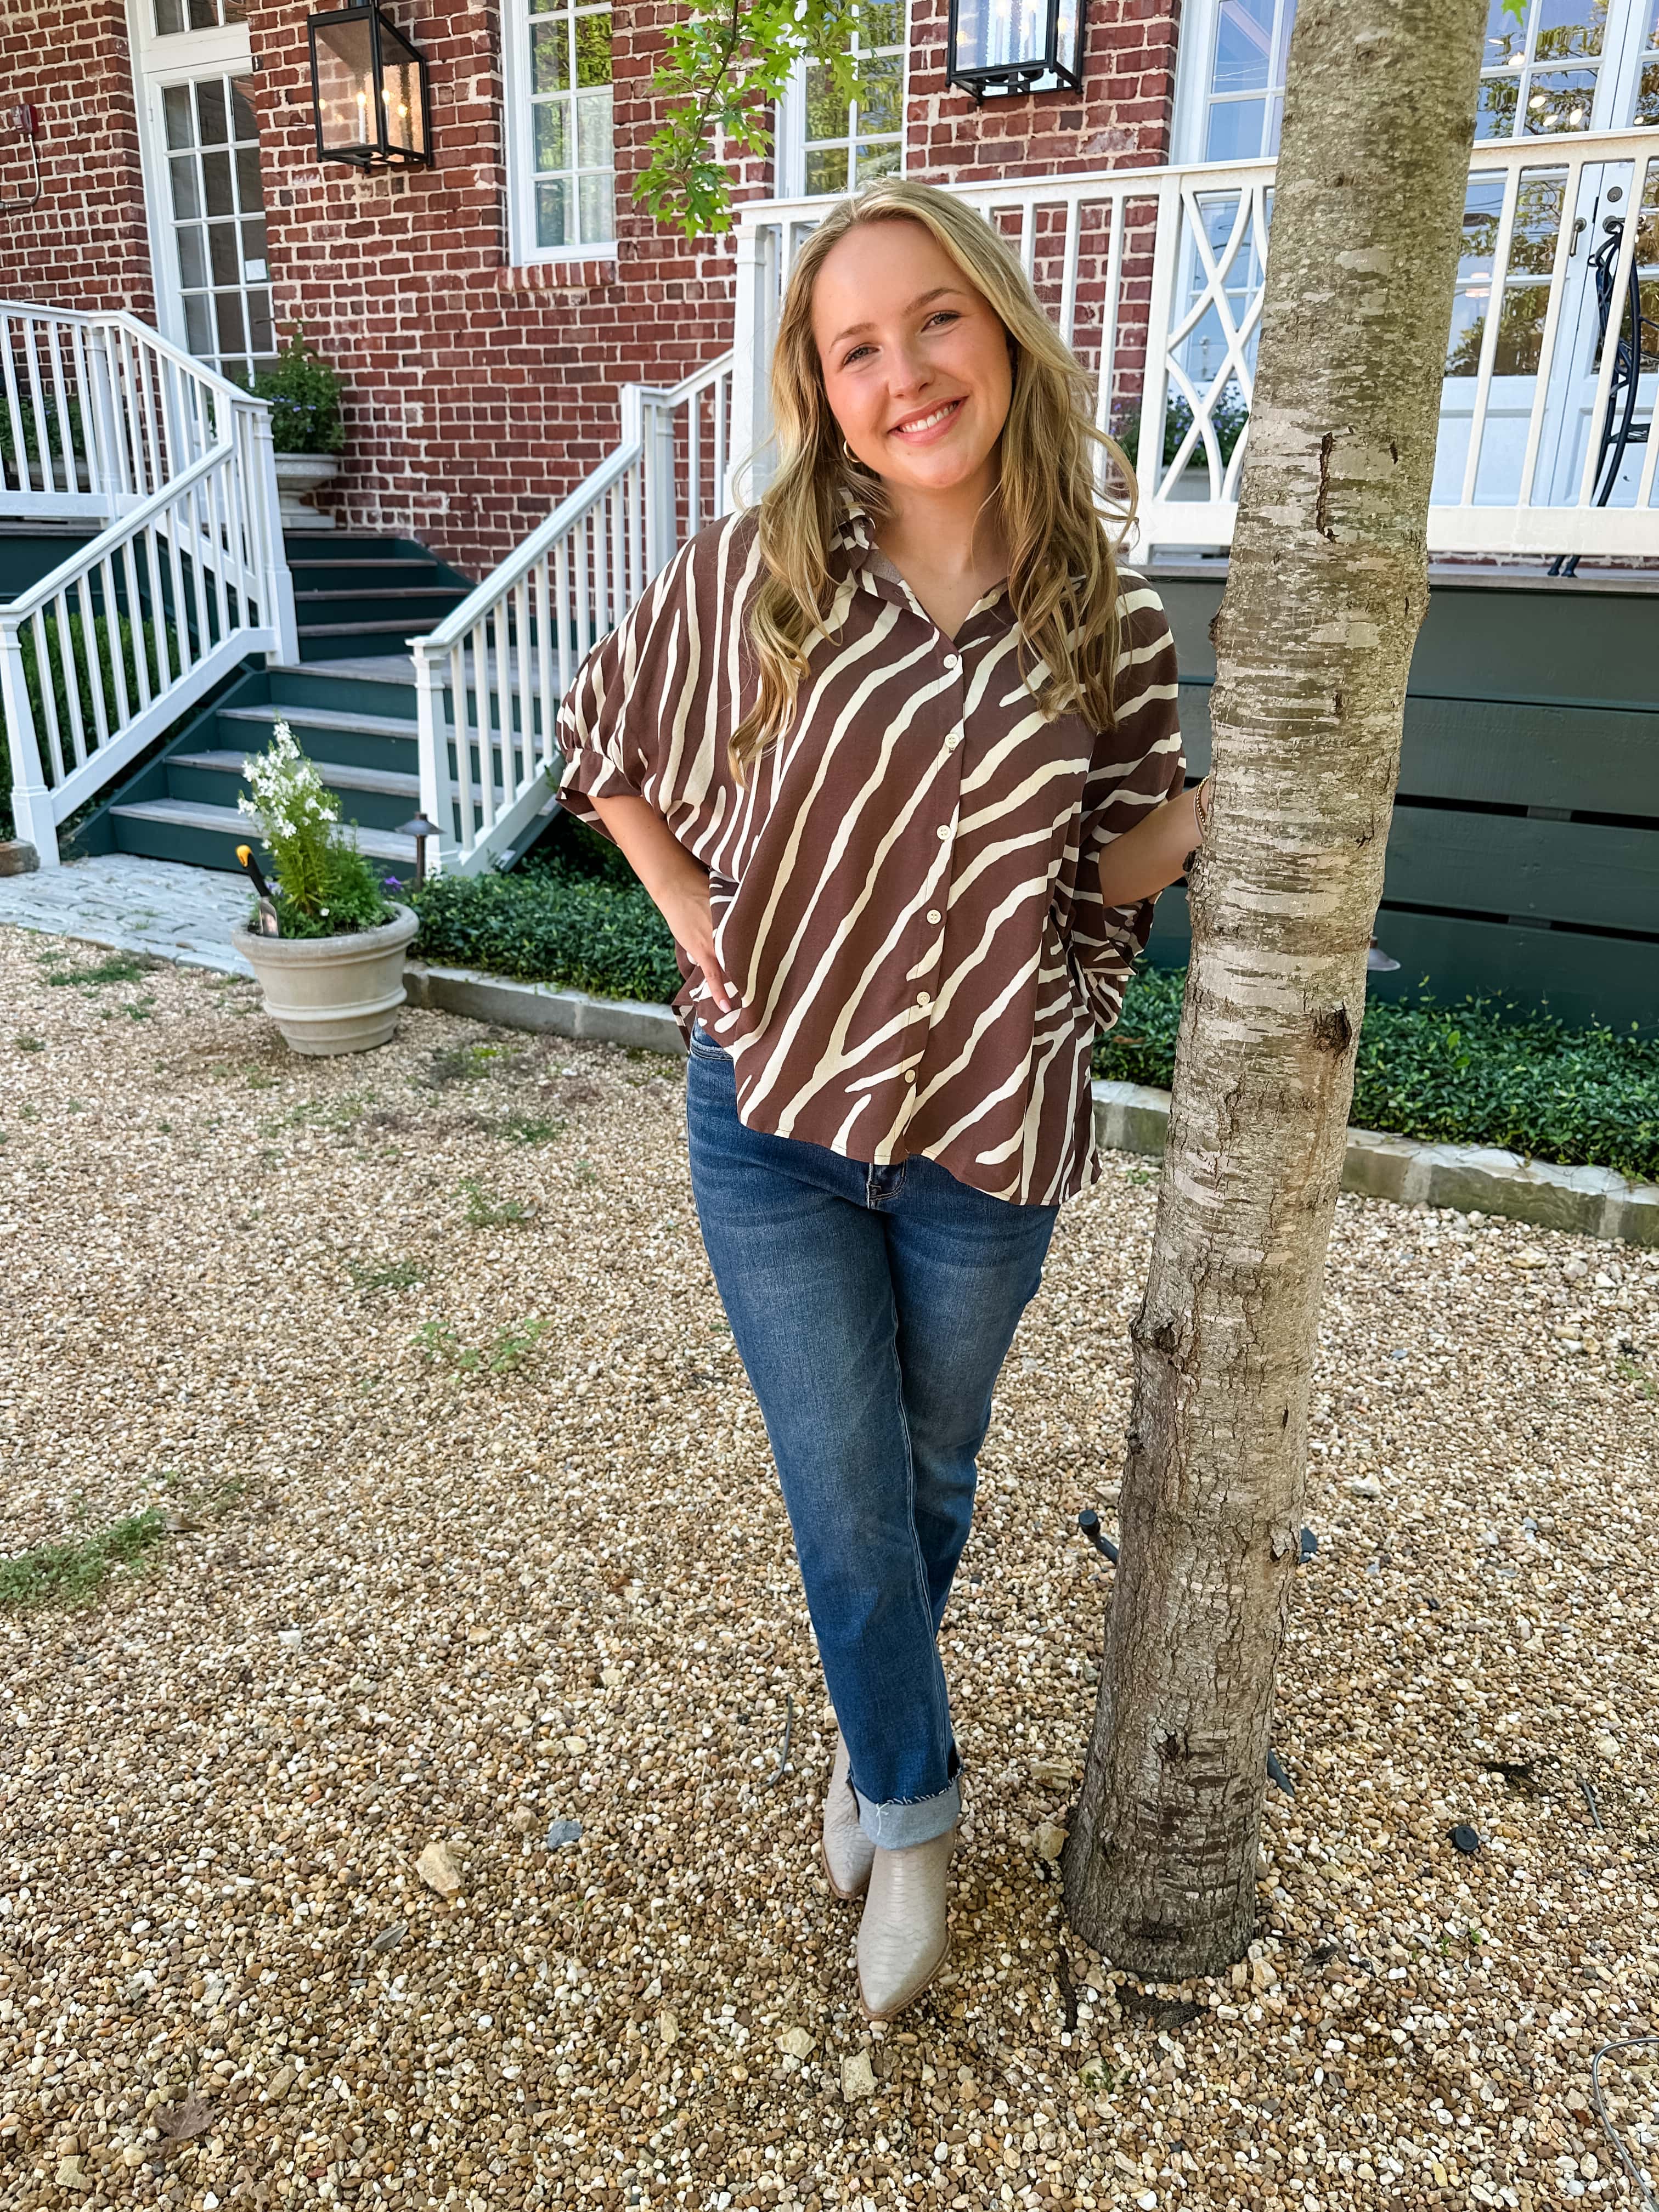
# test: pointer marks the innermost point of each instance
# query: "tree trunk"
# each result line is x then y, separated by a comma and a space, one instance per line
1327, 585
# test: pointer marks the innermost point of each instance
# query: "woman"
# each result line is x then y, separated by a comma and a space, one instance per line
895, 754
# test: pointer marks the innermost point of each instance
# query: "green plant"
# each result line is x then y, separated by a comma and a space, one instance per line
119, 968
400, 1275
553, 925
304, 393
323, 887
65, 1574
94, 682
483, 1211
1482, 1073
31, 426
1227, 418
506, 1350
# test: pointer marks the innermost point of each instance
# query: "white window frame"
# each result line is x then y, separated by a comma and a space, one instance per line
1200, 20
789, 144
519, 150
160, 60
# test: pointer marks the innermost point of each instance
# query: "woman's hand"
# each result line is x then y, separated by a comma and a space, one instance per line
677, 883
685, 909
1154, 854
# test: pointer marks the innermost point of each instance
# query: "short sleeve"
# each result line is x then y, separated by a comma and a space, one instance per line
1137, 765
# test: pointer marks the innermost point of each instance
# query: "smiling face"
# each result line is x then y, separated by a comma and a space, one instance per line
916, 364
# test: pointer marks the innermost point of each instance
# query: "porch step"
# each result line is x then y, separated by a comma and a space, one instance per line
324, 717
377, 592
199, 818
338, 775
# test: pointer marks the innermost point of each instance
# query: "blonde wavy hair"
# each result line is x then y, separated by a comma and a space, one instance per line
1062, 565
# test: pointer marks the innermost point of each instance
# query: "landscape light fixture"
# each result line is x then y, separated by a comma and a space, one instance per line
1015, 45
369, 97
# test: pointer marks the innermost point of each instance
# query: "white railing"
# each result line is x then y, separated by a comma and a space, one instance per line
490, 678
1527, 390
105, 422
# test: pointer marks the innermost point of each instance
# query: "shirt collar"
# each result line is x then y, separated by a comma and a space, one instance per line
870, 568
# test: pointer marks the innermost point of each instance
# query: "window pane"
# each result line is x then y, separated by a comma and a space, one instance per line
826, 169
186, 201
1647, 97
552, 134
248, 187
553, 214
1559, 99
549, 56
593, 138
593, 49
1520, 330
224, 259
1468, 326
598, 193
1235, 133
1243, 43
877, 161
169, 18
215, 182
227, 308
261, 335
175, 104
210, 111
242, 115
1537, 225
880, 111
1568, 27
882, 25
1494, 118
1506, 39
203, 16
198, 335
192, 258
253, 241
1481, 212
826, 113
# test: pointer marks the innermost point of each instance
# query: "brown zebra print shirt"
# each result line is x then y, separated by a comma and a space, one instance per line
905, 894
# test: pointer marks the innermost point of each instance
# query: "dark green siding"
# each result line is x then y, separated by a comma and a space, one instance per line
1524, 856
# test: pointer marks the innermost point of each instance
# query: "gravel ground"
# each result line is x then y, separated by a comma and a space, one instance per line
474, 1542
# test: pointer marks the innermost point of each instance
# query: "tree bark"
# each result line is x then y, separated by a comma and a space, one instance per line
1327, 585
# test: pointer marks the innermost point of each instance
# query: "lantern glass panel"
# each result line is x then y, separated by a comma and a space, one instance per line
400, 81
345, 85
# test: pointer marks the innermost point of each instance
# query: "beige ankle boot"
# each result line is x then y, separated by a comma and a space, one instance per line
903, 1937
848, 1852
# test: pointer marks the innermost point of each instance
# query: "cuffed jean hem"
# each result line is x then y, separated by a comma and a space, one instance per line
895, 1825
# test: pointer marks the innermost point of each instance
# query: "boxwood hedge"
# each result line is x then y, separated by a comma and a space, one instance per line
1479, 1072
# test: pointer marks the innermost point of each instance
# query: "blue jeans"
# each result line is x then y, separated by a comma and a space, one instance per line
873, 1308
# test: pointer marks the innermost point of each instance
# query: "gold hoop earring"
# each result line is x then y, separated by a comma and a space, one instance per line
851, 456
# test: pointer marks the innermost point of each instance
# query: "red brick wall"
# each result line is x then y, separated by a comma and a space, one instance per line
479, 394
84, 241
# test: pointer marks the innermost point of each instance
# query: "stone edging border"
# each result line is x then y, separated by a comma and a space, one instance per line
1133, 1117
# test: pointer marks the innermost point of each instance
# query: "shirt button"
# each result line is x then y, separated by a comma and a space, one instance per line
932, 914
953, 660
924, 998
944, 830
909, 1075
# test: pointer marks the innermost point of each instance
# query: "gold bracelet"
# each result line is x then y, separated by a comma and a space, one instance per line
1201, 807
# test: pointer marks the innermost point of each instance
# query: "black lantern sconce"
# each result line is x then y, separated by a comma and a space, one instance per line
368, 92
1016, 46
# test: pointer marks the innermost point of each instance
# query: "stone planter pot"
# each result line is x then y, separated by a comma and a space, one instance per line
330, 994
297, 476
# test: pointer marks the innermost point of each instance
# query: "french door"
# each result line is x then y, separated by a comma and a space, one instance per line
1542, 237
203, 183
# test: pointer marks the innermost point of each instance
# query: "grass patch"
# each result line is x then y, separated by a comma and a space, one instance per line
71, 1574
483, 1211
400, 1275
530, 1129
119, 968
507, 1349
